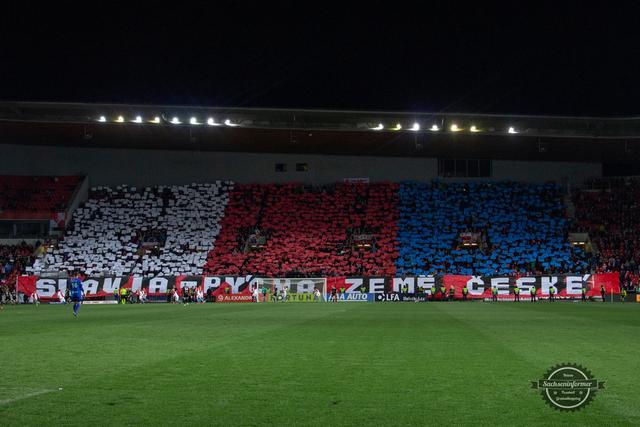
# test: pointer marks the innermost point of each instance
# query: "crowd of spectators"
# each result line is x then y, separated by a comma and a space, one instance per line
13, 261
523, 227
107, 235
307, 230
382, 229
609, 210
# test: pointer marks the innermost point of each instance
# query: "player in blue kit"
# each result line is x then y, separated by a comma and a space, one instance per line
77, 293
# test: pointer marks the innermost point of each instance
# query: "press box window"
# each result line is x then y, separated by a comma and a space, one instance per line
302, 167
281, 167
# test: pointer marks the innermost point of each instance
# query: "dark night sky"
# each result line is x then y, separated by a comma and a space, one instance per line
565, 59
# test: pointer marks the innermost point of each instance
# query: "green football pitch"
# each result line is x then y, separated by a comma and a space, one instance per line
314, 364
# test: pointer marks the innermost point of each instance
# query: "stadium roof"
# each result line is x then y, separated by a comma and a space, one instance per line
321, 131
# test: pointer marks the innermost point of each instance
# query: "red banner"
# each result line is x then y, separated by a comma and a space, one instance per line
566, 286
239, 288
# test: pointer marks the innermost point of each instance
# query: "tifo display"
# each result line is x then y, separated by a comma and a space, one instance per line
503, 232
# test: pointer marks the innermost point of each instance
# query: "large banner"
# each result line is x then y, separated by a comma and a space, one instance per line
347, 289
223, 288
420, 287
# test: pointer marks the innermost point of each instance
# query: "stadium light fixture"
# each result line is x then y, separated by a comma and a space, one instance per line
120, 119
379, 127
512, 130
138, 119
416, 127
228, 123
398, 126
102, 119
455, 128
212, 122
474, 129
434, 128
194, 121
175, 121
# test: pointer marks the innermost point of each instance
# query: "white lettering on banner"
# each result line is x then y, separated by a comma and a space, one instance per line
356, 286
236, 282
136, 284
46, 287
211, 282
158, 284
426, 283
475, 285
574, 285
523, 284
502, 283
110, 284
398, 282
353, 283
546, 283
376, 285
90, 286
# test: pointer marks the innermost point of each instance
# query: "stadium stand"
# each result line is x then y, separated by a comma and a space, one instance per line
609, 210
35, 196
162, 230
13, 261
519, 228
382, 229
295, 230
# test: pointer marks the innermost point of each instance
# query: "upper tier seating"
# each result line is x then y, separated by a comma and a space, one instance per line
35, 197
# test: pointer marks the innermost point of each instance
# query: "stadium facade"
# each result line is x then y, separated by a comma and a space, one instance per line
173, 144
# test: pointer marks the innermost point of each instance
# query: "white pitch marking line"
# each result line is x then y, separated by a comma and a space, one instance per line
26, 396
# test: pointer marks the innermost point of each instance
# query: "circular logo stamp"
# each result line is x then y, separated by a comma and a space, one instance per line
568, 387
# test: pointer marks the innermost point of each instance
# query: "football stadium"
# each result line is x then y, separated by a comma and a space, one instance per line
283, 213
254, 267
